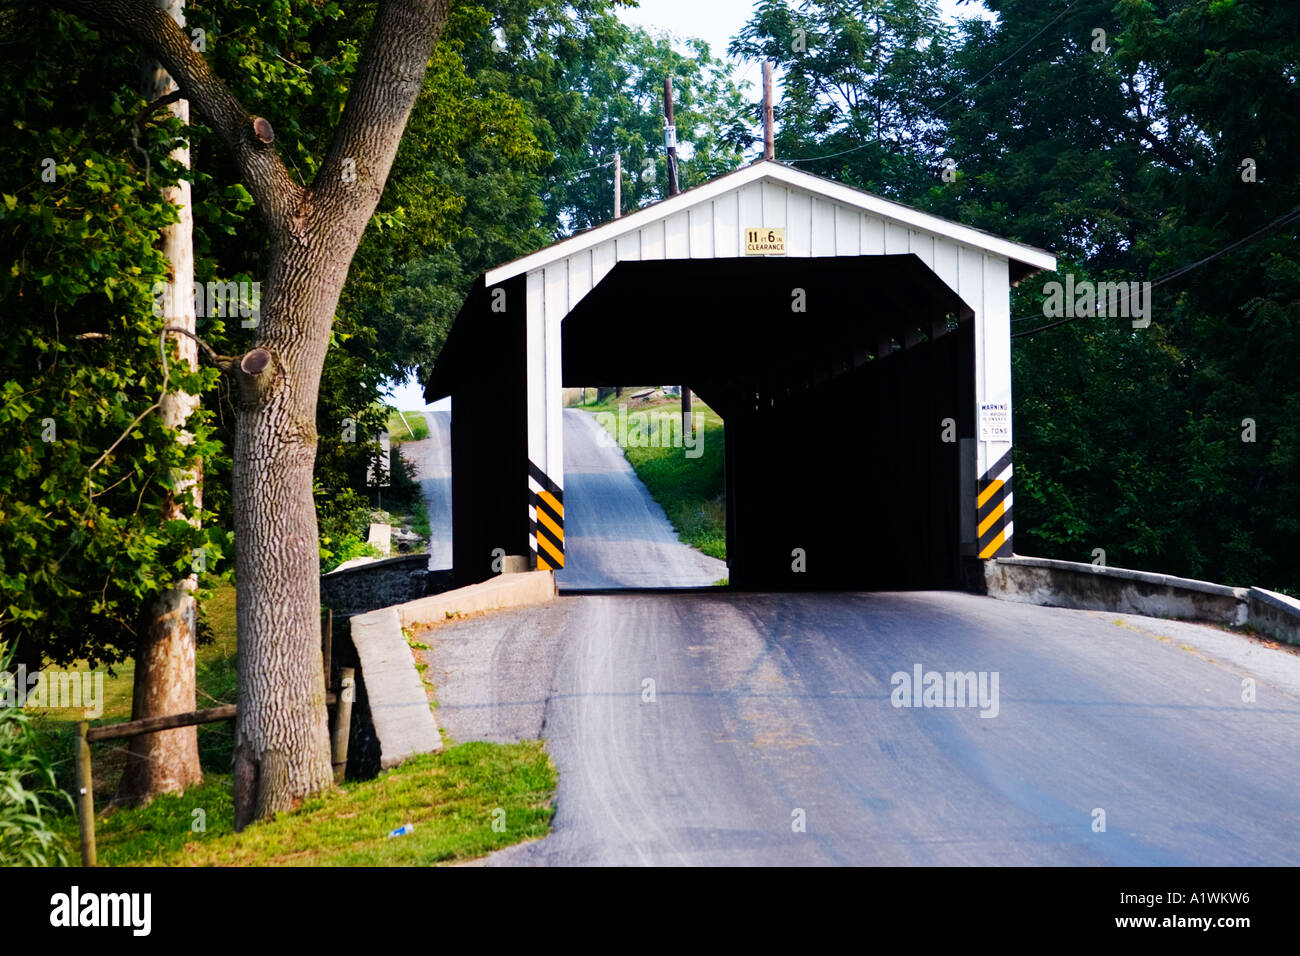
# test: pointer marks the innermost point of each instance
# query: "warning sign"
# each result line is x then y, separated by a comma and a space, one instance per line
995, 421
765, 241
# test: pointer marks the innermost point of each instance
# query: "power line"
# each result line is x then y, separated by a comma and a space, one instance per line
579, 172
1020, 49
1276, 225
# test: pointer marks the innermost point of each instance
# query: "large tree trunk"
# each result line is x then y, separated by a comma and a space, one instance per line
281, 743
282, 739
168, 761
281, 752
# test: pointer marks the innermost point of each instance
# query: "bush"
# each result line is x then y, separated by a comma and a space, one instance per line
344, 521
28, 792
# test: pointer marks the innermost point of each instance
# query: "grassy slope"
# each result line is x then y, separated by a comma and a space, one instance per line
691, 491
398, 432
449, 796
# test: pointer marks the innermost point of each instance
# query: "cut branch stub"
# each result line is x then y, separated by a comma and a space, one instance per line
259, 373
262, 130
255, 362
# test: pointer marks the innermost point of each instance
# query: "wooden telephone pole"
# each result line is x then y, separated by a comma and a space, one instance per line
670, 136
670, 143
769, 142
618, 184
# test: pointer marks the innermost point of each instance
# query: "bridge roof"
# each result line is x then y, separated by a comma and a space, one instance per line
1028, 257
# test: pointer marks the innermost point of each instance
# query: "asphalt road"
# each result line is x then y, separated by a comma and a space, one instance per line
713, 727
766, 705
431, 458
615, 534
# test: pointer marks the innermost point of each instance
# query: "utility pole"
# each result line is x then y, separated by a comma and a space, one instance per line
670, 136
670, 142
618, 184
769, 143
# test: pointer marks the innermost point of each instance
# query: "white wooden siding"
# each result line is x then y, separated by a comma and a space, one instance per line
816, 225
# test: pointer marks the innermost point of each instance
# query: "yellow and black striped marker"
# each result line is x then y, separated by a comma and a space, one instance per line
993, 509
545, 519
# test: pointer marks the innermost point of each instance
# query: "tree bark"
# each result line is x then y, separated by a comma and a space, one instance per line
281, 739
168, 761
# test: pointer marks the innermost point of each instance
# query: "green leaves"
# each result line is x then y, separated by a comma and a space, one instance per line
81, 549
1127, 166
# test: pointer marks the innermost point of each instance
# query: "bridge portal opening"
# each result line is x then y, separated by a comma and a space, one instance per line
847, 388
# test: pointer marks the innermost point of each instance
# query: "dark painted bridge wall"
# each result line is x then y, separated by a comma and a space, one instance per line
489, 435
855, 474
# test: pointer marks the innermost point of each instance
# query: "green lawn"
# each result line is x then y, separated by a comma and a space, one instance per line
398, 431
469, 800
691, 491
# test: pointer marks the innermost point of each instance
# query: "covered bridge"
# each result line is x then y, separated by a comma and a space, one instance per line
857, 349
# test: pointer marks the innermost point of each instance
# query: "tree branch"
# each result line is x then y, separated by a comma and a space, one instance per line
223, 362
388, 79
273, 189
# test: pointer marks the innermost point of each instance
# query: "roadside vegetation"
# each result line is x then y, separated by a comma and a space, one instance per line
344, 513
406, 507
450, 801
29, 794
692, 491
449, 797
406, 426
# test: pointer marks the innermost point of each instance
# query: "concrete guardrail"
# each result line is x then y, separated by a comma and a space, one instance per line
1074, 584
404, 724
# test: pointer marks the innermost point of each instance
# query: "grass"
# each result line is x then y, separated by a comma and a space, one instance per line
398, 430
216, 684
692, 491
452, 798
449, 797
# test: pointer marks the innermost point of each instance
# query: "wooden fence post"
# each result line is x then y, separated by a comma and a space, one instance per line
85, 796
327, 644
343, 722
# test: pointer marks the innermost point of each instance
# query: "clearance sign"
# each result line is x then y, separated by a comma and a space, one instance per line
765, 242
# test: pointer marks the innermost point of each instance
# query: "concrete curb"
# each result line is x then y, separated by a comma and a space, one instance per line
1275, 613
403, 721
502, 591
1073, 584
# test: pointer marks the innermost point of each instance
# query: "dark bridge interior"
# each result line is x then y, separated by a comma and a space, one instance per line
834, 414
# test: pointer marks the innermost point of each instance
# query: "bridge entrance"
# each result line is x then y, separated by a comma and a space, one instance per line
863, 372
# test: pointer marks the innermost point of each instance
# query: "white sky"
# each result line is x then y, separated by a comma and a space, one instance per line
715, 21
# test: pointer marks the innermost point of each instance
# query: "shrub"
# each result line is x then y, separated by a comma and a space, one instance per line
28, 792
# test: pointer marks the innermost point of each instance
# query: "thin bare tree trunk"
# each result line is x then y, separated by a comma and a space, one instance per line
168, 761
